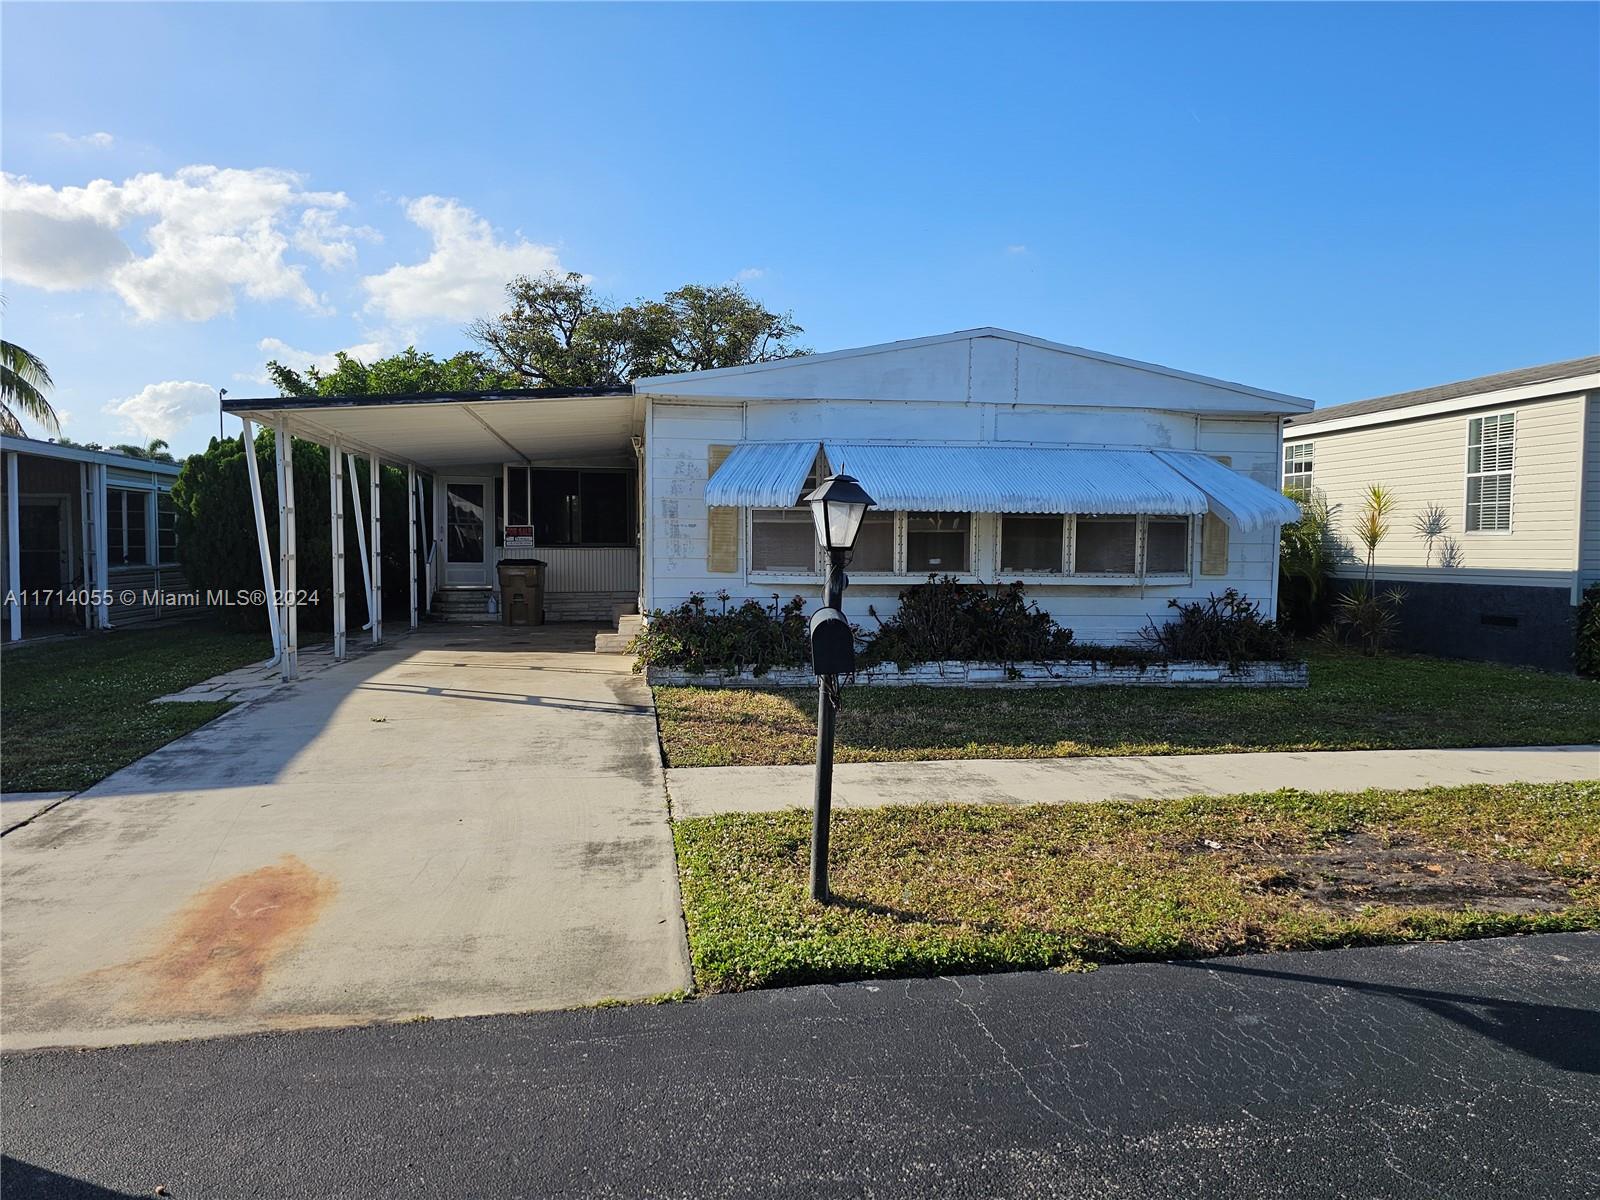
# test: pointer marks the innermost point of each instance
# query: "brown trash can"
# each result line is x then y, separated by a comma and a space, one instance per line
522, 591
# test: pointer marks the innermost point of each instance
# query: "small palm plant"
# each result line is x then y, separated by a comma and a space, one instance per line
1372, 616
24, 379
1431, 525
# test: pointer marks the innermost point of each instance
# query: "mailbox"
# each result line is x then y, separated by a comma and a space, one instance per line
833, 645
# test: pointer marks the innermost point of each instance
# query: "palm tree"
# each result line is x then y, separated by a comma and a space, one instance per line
155, 450
23, 381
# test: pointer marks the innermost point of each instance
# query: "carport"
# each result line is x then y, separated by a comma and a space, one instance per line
561, 463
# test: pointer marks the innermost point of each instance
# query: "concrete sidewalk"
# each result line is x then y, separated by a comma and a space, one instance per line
702, 791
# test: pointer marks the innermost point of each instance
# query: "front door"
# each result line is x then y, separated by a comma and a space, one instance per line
468, 536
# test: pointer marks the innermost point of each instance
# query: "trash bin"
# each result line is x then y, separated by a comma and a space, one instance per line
522, 591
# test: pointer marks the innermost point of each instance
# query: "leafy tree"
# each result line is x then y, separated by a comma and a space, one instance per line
24, 379
556, 332
406, 373
154, 450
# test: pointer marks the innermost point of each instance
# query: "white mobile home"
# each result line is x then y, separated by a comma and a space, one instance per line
1108, 486
1497, 483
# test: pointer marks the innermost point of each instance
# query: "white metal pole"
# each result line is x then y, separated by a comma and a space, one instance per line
83, 537
283, 444
411, 522
375, 545
361, 535
102, 549
336, 509
427, 559
13, 547
262, 544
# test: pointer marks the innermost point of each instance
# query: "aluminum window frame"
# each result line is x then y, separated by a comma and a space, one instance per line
1509, 473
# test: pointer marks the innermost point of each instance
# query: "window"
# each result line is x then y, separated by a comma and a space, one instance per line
1166, 546
1491, 447
875, 544
783, 539
938, 543
1106, 546
580, 507
1029, 543
1299, 467
127, 527
166, 530
518, 496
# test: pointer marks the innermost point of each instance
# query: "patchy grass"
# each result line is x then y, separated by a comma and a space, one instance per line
1353, 703
72, 712
959, 888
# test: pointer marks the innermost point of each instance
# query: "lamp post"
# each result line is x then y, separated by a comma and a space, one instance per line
838, 507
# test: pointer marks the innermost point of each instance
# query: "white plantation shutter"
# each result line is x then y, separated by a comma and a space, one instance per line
1491, 453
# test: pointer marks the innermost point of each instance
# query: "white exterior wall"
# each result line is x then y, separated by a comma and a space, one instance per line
1424, 460
679, 434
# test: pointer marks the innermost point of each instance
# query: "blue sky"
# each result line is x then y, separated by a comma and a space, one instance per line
1332, 201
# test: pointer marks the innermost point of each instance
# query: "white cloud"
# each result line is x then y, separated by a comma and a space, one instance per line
1016, 248
211, 233
161, 410
97, 141
466, 273
749, 274
277, 350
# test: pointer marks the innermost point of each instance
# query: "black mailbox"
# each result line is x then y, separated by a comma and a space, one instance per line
833, 646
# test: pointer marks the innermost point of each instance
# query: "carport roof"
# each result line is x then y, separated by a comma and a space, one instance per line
439, 430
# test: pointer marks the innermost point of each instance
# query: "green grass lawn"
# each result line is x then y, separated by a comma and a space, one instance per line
72, 712
1353, 703
957, 888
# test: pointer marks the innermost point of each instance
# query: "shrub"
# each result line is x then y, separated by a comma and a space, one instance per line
217, 534
1587, 655
1228, 628
694, 637
1306, 557
947, 620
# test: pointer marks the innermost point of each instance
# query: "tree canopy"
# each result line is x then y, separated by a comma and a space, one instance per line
406, 373
557, 332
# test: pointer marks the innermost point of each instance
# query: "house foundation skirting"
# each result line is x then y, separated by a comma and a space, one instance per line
1011, 675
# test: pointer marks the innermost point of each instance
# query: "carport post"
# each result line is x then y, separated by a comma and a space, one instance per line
376, 548
336, 540
13, 548
427, 564
411, 523
102, 551
361, 534
83, 535
261, 537
283, 444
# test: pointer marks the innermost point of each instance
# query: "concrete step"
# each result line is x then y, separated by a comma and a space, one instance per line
612, 643
630, 624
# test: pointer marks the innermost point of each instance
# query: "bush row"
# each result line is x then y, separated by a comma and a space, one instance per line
945, 620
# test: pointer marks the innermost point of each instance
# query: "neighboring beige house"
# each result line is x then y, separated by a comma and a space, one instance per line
1508, 467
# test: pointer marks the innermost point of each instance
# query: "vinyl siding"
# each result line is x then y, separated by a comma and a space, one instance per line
1424, 461
679, 434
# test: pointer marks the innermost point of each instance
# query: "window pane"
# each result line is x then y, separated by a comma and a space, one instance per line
517, 497
1106, 545
1166, 547
604, 507
115, 554
166, 530
937, 542
782, 539
555, 507
464, 519
874, 549
1031, 543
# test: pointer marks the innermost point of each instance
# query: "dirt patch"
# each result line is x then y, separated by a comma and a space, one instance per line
1360, 870
217, 950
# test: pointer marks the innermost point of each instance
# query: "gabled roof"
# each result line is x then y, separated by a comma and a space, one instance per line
1552, 373
767, 379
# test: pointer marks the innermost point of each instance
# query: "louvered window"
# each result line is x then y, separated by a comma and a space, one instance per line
1491, 449
784, 540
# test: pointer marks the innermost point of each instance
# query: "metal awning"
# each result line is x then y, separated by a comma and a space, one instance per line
1242, 502
995, 478
761, 475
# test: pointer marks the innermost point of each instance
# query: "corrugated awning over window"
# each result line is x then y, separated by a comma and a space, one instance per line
761, 475
1006, 479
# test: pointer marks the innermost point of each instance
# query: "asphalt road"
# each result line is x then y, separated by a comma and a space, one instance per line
1442, 1070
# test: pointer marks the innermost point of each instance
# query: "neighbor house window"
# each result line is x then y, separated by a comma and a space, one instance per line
1166, 546
1299, 468
580, 507
938, 543
127, 527
1033, 544
1491, 447
166, 530
1106, 546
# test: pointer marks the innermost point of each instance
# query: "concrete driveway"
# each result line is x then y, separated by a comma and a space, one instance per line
471, 820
